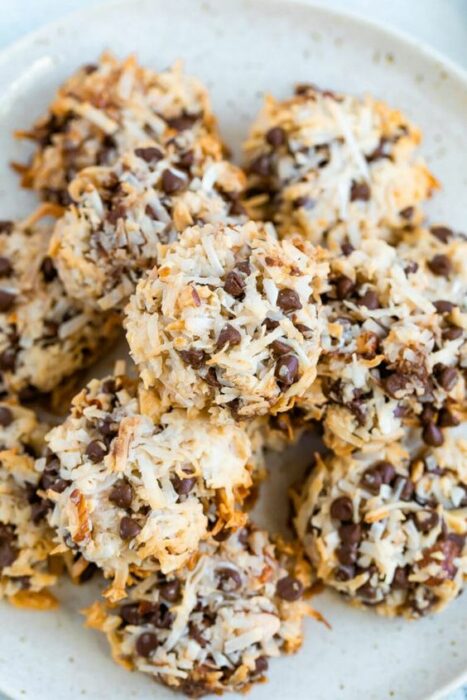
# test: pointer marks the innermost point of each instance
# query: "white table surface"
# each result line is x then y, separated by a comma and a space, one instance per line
439, 23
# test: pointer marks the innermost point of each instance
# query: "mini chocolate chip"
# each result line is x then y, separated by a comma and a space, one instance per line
8, 553
446, 376
146, 644
170, 590
286, 371
442, 233
96, 451
171, 182
369, 299
394, 384
161, 618
280, 348
229, 579
270, 324
407, 213
183, 122
186, 160
8, 360
443, 307
406, 486
347, 248
447, 419
276, 136
261, 665
149, 154
344, 287
210, 377
426, 520
452, 333
6, 226
432, 435
244, 266
183, 486
360, 191
346, 554
372, 480
223, 535
121, 494
289, 588
440, 265
367, 592
5, 267
411, 268
48, 269
228, 336
288, 300
350, 533
129, 528
194, 358
400, 580
195, 633
109, 386
345, 573
387, 471
7, 299
342, 509
262, 166
234, 284
6, 417
39, 510
130, 614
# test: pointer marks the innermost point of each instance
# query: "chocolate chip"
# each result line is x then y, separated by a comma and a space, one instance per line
6, 417
183, 122
194, 358
345, 573
452, 333
411, 268
146, 644
96, 451
262, 166
443, 307
286, 371
7, 299
170, 590
261, 665
406, 486
186, 160
372, 480
48, 269
426, 520
407, 213
5, 267
386, 470
432, 435
350, 533
280, 348
223, 535
228, 336
8, 553
234, 284
288, 300
346, 554
195, 633
442, 233
446, 376
109, 386
369, 299
447, 419
394, 384
244, 266
400, 580
360, 191
289, 589
161, 617
276, 136
8, 360
210, 377
121, 494
183, 486
129, 528
342, 509
229, 579
347, 248
149, 154
171, 182
344, 287
130, 614
39, 510
270, 324
6, 226
440, 265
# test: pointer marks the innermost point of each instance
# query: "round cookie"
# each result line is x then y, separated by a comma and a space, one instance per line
110, 235
394, 347
135, 495
335, 167
44, 335
387, 529
26, 541
104, 109
229, 319
214, 626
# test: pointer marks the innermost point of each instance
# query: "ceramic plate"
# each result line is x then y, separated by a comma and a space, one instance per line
242, 49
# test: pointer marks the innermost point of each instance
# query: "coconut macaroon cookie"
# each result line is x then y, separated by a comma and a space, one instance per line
229, 318
394, 347
109, 236
212, 626
44, 335
139, 495
388, 530
26, 541
104, 109
335, 167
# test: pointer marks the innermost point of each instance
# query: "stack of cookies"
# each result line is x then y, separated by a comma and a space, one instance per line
305, 292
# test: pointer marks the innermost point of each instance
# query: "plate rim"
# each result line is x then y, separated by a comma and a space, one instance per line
403, 37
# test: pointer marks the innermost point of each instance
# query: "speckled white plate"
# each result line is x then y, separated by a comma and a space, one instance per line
242, 49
